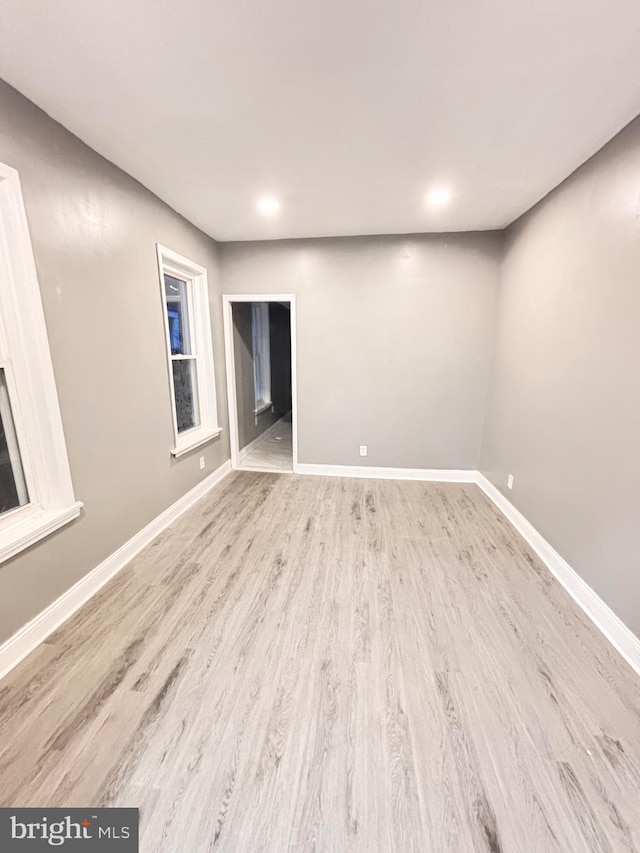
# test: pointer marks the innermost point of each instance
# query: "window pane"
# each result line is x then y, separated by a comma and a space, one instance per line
257, 366
177, 296
13, 491
185, 389
261, 359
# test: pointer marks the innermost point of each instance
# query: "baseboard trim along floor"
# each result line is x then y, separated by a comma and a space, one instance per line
431, 475
45, 623
38, 629
603, 617
264, 436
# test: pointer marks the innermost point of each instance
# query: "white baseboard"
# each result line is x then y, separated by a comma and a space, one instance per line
258, 441
38, 629
623, 639
435, 475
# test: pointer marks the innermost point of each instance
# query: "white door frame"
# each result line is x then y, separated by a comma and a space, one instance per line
227, 306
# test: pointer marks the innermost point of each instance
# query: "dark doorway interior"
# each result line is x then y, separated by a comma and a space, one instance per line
262, 351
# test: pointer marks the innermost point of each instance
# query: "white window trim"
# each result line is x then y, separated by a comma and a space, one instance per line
172, 263
26, 359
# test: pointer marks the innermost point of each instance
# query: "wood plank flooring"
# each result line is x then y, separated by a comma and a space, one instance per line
275, 453
333, 665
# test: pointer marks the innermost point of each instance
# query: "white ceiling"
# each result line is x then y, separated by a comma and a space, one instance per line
347, 110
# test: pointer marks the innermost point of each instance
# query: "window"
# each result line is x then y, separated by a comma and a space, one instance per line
261, 356
36, 493
13, 488
184, 368
185, 297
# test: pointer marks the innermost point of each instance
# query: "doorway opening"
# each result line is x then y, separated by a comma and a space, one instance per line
259, 333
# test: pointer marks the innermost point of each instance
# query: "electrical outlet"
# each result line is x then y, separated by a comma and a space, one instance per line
201, 462
510, 481
363, 450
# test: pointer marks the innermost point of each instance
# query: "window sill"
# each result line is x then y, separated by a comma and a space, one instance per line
28, 526
262, 407
193, 439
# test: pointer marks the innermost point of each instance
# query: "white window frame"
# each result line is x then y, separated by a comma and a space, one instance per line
173, 264
26, 361
261, 338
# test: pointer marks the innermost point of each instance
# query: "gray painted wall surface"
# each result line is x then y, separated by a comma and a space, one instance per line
394, 341
94, 231
564, 410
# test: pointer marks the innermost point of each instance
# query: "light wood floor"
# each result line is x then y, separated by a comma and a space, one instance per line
275, 453
317, 664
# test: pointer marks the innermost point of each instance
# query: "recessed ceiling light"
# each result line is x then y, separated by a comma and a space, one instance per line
268, 205
438, 196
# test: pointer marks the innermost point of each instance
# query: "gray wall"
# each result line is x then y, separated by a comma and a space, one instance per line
394, 340
564, 410
94, 231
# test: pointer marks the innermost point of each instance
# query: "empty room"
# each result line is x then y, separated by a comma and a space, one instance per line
320, 426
